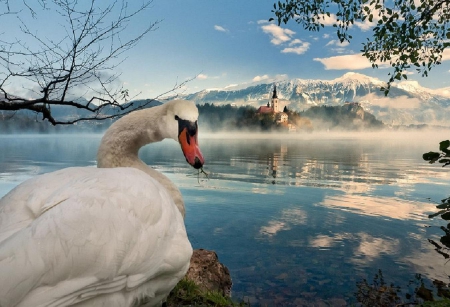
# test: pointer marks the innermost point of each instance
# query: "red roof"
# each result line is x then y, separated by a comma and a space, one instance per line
264, 109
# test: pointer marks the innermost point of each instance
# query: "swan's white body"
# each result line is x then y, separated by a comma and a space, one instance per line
97, 236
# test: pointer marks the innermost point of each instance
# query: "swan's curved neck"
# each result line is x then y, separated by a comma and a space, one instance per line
121, 143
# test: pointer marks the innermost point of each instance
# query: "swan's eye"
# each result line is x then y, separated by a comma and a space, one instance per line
176, 117
189, 127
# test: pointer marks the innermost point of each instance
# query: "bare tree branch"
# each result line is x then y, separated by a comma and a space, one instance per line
55, 70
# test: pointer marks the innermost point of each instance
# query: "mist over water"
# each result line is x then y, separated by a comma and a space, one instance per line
297, 218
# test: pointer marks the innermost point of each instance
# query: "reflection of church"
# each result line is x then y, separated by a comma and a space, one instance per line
274, 107
276, 160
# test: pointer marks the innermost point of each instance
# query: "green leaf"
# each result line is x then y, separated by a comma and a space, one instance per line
444, 145
431, 156
442, 206
436, 214
446, 216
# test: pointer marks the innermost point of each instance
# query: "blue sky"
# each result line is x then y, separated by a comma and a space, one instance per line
231, 42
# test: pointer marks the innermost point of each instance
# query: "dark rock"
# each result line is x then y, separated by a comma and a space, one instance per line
208, 273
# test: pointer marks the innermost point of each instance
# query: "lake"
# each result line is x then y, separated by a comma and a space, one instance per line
298, 219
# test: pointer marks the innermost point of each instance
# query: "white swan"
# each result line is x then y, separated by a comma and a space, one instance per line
104, 236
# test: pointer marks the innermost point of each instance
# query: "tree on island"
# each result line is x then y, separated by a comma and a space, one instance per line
73, 67
406, 33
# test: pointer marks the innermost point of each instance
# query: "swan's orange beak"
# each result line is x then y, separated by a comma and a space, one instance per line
189, 145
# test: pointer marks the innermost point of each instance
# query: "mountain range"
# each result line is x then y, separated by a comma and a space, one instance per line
407, 102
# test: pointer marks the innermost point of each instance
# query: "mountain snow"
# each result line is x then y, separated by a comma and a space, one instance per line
407, 103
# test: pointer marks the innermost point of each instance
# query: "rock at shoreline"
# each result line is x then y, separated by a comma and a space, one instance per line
208, 273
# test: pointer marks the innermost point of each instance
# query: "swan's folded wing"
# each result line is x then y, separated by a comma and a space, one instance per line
27, 201
102, 230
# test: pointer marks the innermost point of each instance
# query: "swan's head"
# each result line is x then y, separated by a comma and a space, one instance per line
182, 119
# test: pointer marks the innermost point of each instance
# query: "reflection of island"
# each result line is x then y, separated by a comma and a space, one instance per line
292, 164
351, 166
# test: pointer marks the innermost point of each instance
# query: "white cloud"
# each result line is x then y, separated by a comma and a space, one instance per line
401, 102
295, 42
442, 91
328, 20
278, 77
341, 62
298, 49
338, 46
202, 77
260, 78
336, 42
358, 61
326, 36
284, 38
296, 46
446, 55
220, 28
277, 33
365, 25
281, 77
231, 86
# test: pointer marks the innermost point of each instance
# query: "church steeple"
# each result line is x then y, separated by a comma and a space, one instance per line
274, 92
274, 101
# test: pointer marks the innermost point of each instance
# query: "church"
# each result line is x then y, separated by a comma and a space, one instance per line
274, 107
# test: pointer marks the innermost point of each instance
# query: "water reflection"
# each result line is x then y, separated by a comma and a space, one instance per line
297, 221
353, 166
289, 218
323, 213
389, 207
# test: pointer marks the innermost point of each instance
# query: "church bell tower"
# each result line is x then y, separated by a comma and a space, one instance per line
275, 104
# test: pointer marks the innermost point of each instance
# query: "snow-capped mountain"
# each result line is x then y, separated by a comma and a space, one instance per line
407, 102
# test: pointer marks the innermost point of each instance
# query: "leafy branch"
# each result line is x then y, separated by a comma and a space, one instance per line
405, 33
442, 157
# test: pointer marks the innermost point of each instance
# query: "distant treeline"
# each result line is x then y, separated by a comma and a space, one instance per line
227, 117
11, 122
346, 117
221, 117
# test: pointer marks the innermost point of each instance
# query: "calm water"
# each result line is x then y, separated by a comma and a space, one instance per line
297, 221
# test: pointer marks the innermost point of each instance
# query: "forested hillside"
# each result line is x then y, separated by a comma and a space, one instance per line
347, 117
222, 117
